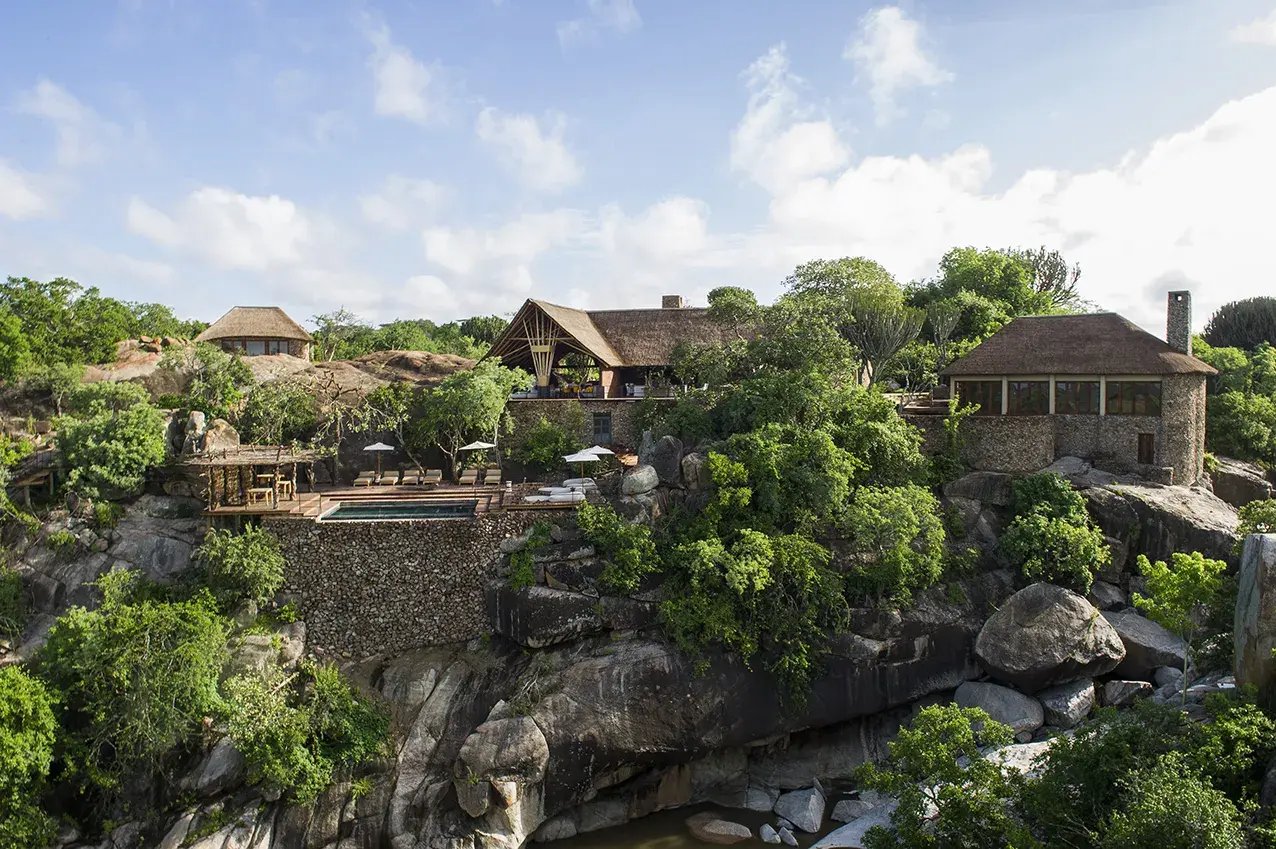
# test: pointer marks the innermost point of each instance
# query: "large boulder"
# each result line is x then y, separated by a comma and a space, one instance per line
1022, 713
708, 828
989, 488
803, 808
1121, 694
1159, 520
1147, 645
1045, 635
220, 435
1067, 704
641, 480
1255, 625
666, 458
695, 471
503, 756
1239, 483
538, 616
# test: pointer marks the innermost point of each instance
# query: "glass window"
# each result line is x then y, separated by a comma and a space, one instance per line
256, 347
1134, 398
602, 428
1028, 398
985, 393
1076, 397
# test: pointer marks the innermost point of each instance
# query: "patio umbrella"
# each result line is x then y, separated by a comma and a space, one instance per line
599, 450
580, 458
378, 447
477, 446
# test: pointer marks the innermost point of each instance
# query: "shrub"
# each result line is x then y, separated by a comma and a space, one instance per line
107, 514
628, 549
946, 465
91, 399
546, 442
522, 565
12, 614
1180, 594
109, 452
134, 679
896, 542
279, 413
1244, 324
1233, 749
27, 733
62, 541
1051, 537
217, 379
1256, 517
246, 565
1169, 807
1242, 426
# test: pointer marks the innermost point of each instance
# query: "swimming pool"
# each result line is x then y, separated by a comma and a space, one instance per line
380, 510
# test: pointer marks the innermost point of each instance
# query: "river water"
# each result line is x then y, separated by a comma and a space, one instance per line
667, 830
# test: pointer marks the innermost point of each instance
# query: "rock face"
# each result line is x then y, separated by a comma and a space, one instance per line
538, 616
498, 762
1158, 520
1022, 713
989, 488
666, 458
1045, 635
1256, 613
1239, 483
1147, 645
803, 808
1125, 693
640, 481
1067, 704
219, 435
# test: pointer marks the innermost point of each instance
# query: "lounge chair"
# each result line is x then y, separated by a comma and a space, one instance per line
365, 479
388, 478
469, 477
492, 475
413, 477
433, 476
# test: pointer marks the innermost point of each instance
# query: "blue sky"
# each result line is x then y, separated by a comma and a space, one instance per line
440, 159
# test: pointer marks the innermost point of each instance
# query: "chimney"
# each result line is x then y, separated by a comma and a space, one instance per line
672, 302
1178, 321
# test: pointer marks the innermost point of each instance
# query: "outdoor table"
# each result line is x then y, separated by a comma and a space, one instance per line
259, 493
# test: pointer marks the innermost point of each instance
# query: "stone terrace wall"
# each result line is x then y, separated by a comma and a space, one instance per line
527, 411
369, 587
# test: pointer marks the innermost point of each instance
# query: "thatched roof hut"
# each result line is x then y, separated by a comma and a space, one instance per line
254, 331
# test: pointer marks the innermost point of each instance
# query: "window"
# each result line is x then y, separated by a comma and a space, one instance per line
602, 428
256, 347
1076, 397
1028, 398
1134, 398
1147, 449
985, 393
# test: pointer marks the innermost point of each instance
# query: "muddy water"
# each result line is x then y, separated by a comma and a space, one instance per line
666, 830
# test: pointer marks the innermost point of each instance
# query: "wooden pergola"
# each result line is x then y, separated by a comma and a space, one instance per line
253, 475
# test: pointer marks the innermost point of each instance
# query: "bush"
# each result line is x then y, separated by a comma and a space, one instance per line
1169, 807
107, 515
27, 734
628, 549
522, 565
546, 442
134, 679
249, 565
279, 413
895, 541
12, 613
62, 541
1244, 324
1242, 426
110, 451
1256, 517
217, 378
91, 399
1051, 537
1180, 594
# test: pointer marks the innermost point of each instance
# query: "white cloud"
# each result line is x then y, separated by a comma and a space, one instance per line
229, 229
888, 53
1260, 31
404, 87
618, 16
19, 196
537, 157
82, 134
778, 142
403, 203
674, 230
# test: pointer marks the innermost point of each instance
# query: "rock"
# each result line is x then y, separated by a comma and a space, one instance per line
1067, 704
538, 616
851, 809
1106, 596
989, 488
1239, 483
1255, 620
803, 808
595, 816
641, 480
293, 636
966, 511
767, 834
1045, 635
220, 435
757, 798
558, 828
851, 836
507, 751
222, 768
244, 614
175, 837
256, 653
787, 838
1147, 645
695, 471
1125, 693
708, 828
665, 456
1158, 520
1165, 676
1022, 713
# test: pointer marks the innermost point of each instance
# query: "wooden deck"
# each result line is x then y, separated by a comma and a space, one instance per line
311, 505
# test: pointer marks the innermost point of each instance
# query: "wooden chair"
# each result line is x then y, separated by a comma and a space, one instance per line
469, 477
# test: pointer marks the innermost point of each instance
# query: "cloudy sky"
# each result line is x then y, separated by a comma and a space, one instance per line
453, 157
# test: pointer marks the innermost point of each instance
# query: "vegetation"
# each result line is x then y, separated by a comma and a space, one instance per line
1243, 324
111, 439
1180, 594
1051, 536
27, 734
1241, 406
278, 413
546, 442
217, 379
12, 614
522, 564
896, 542
464, 406
1256, 517
342, 335
246, 565
628, 549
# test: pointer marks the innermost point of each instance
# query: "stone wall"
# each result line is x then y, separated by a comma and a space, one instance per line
527, 411
369, 587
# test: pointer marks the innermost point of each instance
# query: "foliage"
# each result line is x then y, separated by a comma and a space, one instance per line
342, 335
15, 350
1233, 749
895, 542
294, 734
946, 465
217, 378
107, 515
923, 770
1169, 807
278, 413
1243, 426
1051, 537
109, 451
1244, 324
522, 562
248, 565
464, 406
1180, 594
91, 399
1256, 517
12, 610
57, 379
546, 442
27, 735
628, 549
134, 679
1052, 276
62, 540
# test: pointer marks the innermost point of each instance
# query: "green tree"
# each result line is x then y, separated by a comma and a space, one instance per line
57, 379
279, 413
628, 550
465, 406
27, 735
108, 452
1169, 807
546, 442
340, 335
484, 329
217, 379
1180, 594
1243, 324
1052, 276
1051, 536
93, 399
15, 351
942, 803
1242, 425
895, 542
1256, 517
248, 565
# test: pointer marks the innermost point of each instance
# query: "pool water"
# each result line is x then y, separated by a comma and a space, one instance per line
356, 512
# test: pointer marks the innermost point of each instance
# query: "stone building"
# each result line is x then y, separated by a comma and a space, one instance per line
256, 331
1093, 386
605, 360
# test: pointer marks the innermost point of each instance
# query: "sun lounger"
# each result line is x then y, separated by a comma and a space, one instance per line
413, 477
388, 479
567, 497
469, 477
365, 479
433, 476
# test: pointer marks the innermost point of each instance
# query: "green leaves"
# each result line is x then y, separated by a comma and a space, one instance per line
628, 549
27, 735
248, 565
1051, 537
1179, 591
109, 448
895, 542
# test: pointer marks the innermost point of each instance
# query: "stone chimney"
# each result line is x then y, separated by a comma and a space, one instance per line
1178, 321
672, 302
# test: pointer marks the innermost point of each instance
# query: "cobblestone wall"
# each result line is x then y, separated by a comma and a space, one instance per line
527, 411
369, 587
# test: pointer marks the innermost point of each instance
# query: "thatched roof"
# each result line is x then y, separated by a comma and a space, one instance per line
617, 338
256, 455
255, 323
1096, 343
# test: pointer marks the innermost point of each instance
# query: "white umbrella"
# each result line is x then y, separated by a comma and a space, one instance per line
477, 446
378, 447
599, 450
581, 457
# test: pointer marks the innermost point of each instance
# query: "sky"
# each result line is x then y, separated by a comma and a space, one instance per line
444, 159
